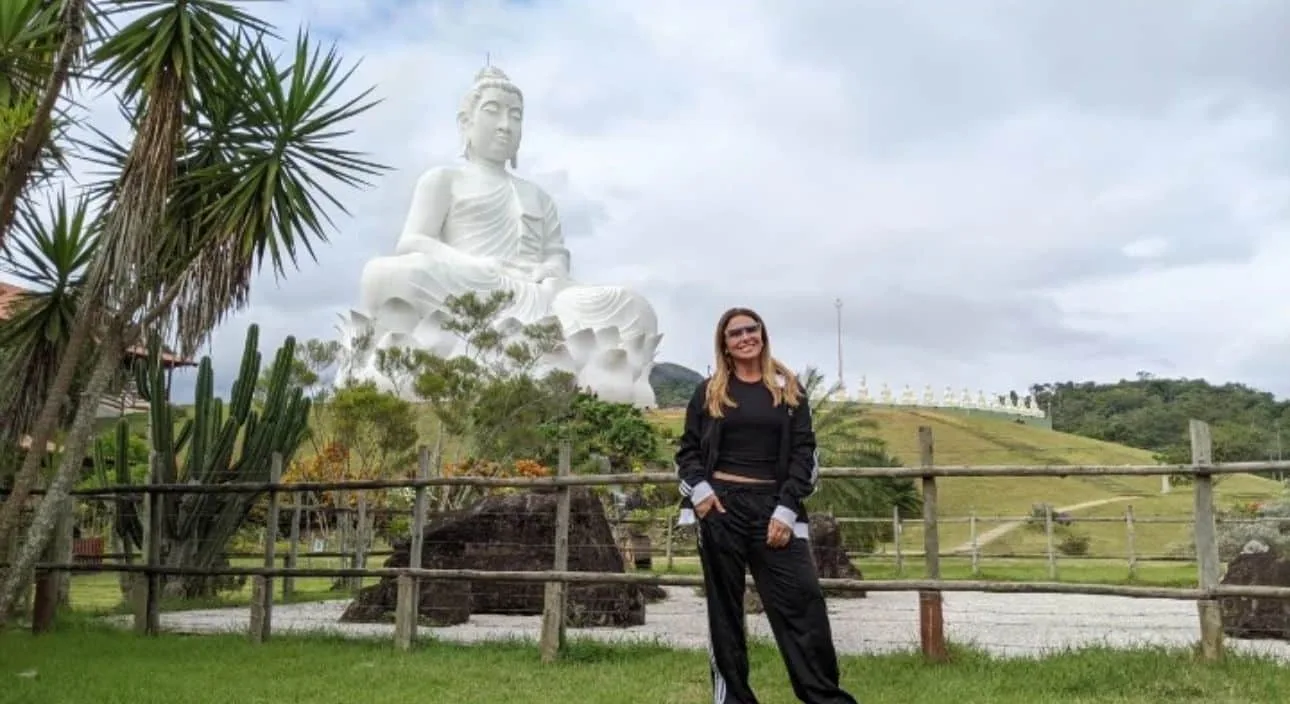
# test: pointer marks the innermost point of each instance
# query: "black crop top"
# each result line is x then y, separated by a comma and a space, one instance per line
750, 433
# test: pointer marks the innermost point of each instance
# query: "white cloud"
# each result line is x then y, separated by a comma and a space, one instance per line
999, 198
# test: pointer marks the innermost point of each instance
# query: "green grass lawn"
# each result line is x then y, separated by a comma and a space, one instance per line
100, 593
80, 663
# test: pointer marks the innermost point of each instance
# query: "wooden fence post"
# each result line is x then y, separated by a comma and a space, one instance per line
1206, 534
1048, 537
898, 536
147, 587
407, 609
554, 607
931, 616
261, 585
670, 537
44, 603
61, 549
293, 547
976, 545
343, 542
361, 537
1130, 539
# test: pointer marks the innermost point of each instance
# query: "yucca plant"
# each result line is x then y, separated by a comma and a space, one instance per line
49, 255
232, 153
41, 44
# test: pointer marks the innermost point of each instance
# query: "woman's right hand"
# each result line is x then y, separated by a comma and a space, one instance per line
701, 509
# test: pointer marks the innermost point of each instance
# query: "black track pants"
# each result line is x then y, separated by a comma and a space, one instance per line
735, 541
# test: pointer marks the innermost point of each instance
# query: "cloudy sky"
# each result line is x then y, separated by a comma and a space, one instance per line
1000, 193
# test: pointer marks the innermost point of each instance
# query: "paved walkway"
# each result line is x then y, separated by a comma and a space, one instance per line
1003, 624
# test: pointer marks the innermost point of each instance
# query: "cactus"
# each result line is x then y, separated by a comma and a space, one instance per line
218, 444
125, 512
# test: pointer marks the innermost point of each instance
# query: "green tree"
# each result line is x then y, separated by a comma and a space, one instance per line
49, 256
1153, 413
41, 44
619, 432
377, 427
489, 399
228, 166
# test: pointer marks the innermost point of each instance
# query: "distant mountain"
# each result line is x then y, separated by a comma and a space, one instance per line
673, 384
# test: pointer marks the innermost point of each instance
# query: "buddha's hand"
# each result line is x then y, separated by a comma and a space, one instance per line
547, 274
512, 270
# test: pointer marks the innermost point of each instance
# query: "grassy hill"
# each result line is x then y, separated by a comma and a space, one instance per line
984, 440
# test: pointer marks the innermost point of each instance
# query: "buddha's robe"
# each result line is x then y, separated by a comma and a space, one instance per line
473, 228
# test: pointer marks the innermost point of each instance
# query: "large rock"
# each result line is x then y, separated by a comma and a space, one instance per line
831, 558
1252, 617
513, 532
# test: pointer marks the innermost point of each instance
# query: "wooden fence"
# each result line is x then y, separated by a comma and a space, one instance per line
147, 592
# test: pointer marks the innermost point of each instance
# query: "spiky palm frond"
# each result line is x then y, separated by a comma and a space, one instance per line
41, 46
255, 187
49, 255
29, 36
158, 60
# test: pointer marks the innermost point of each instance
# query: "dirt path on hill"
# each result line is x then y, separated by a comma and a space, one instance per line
997, 532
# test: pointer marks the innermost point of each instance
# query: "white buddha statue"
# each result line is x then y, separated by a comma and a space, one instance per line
476, 227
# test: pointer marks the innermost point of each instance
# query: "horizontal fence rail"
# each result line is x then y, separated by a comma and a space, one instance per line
148, 573
672, 580
655, 478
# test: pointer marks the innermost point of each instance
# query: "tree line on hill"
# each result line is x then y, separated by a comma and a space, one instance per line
1152, 413
1146, 412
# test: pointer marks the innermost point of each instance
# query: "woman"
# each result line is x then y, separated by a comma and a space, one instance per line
746, 462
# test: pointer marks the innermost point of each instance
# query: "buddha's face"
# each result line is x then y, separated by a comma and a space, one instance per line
495, 127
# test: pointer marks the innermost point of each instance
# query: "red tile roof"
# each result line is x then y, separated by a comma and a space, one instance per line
8, 297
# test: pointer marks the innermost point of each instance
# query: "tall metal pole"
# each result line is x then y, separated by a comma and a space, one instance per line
838, 304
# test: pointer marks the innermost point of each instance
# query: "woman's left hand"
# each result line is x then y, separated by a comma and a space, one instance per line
778, 534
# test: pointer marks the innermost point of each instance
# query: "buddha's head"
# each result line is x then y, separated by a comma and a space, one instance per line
491, 118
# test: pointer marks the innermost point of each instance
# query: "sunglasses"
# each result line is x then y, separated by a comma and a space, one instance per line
736, 333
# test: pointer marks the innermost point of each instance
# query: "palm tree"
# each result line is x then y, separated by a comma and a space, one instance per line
49, 256
845, 437
41, 43
226, 170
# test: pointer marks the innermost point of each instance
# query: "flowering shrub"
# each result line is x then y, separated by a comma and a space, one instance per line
487, 468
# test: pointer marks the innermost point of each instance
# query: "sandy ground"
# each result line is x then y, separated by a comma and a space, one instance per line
1004, 624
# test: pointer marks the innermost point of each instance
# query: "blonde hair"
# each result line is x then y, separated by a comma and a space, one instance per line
773, 371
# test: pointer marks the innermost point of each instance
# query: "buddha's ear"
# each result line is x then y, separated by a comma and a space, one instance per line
463, 122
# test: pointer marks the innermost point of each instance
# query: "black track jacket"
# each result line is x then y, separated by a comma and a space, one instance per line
797, 471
